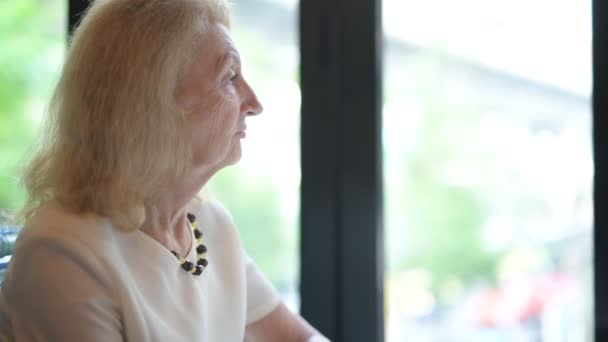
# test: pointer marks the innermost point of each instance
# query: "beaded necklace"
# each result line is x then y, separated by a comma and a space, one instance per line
201, 250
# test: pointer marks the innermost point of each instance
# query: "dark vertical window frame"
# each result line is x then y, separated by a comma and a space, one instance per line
600, 155
76, 9
342, 255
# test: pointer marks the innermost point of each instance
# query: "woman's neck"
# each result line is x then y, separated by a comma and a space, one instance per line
168, 225
166, 220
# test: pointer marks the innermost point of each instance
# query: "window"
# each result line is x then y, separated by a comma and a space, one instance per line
488, 170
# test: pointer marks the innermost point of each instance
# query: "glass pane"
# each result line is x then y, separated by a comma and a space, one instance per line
488, 170
33, 36
262, 190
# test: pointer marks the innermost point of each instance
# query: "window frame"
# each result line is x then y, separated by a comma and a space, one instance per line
76, 8
600, 156
342, 246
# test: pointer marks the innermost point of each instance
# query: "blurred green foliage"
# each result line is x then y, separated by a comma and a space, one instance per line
32, 33
443, 219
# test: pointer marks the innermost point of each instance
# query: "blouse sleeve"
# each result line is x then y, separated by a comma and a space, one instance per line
53, 292
262, 297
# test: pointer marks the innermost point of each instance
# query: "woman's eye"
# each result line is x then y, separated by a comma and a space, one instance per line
232, 77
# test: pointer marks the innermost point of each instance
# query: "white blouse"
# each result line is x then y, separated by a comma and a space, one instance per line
77, 278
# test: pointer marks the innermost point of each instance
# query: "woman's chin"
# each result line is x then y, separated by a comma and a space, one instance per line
235, 154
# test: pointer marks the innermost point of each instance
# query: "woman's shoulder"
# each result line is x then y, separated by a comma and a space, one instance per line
56, 241
58, 270
87, 239
53, 222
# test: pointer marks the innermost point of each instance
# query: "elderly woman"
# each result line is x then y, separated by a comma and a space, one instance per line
117, 243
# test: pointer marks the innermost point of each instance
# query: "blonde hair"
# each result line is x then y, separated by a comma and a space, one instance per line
111, 136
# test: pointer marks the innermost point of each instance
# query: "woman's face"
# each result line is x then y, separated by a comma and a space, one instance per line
217, 99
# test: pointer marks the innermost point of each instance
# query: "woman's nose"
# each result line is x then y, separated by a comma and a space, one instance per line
252, 105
